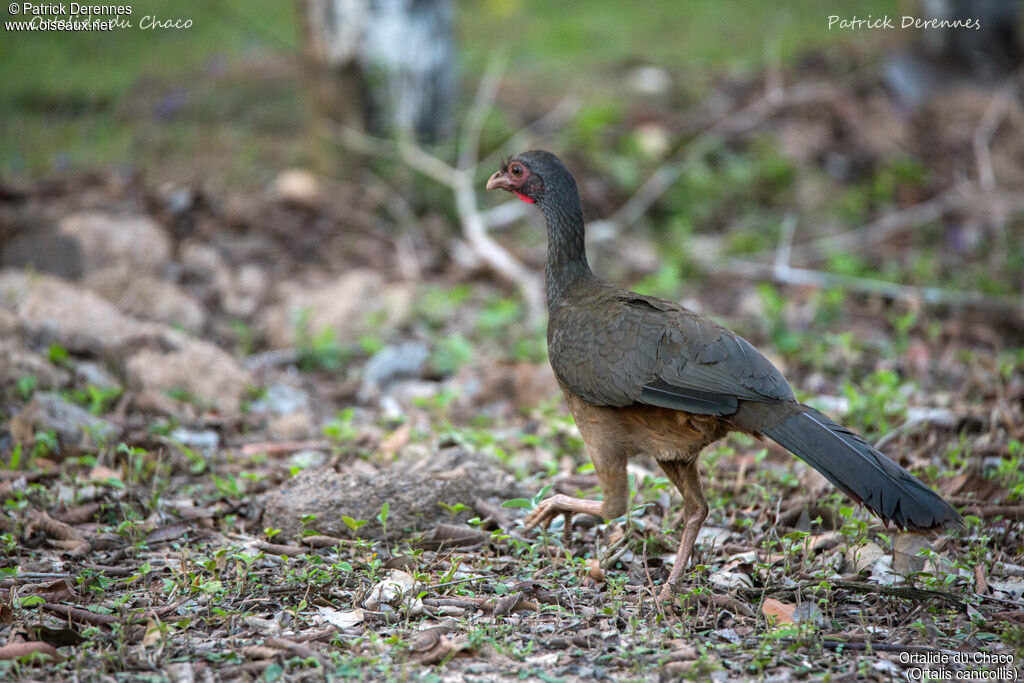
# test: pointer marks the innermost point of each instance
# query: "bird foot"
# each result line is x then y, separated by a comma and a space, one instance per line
546, 512
550, 508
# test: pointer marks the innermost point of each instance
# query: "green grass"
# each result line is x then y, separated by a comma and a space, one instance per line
127, 97
580, 41
221, 98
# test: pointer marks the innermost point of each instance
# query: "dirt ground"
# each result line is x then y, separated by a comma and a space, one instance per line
280, 435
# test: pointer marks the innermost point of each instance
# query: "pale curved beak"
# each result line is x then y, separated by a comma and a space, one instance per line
498, 180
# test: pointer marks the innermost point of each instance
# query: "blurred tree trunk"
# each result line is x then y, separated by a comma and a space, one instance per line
943, 58
990, 51
385, 66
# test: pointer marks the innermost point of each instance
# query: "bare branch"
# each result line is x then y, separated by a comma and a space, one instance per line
493, 254
994, 115
885, 227
939, 296
486, 94
474, 227
785, 240
880, 229
506, 213
405, 150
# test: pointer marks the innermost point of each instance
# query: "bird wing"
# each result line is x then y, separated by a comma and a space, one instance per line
625, 348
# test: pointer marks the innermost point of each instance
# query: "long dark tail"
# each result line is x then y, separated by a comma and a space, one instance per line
863, 473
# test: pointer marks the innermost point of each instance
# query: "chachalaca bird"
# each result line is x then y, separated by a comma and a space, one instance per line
646, 375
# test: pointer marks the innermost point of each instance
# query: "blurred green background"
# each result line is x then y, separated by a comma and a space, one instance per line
221, 99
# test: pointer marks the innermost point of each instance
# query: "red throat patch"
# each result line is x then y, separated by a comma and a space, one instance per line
523, 197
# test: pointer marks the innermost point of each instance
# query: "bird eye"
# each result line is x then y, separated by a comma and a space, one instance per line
516, 169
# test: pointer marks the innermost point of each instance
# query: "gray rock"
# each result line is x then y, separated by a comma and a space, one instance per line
148, 297
72, 424
89, 373
17, 362
281, 399
810, 613
906, 557
402, 361
204, 440
51, 310
413, 489
159, 359
199, 369
108, 239
44, 251
303, 460
650, 80
357, 302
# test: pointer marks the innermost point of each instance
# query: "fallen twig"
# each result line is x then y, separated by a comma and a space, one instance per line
278, 549
280, 447
78, 614
862, 645
906, 592
803, 277
297, 649
1015, 512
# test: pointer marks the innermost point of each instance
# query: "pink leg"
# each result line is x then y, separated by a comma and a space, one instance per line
686, 477
611, 472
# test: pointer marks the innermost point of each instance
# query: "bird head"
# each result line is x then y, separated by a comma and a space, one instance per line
532, 176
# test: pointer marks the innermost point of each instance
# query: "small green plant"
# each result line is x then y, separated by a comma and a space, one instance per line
783, 336
341, 429
45, 444
57, 354
228, 486
353, 524
877, 403
26, 386
451, 353
453, 509
319, 350
98, 400
15, 461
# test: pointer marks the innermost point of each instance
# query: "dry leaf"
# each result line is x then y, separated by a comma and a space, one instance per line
259, 652
594, 570
396, 440
507, 604
19, 650
430, 647
342, 618
167, 533
980, 581
780, 611
863, 557
103, 473
905, 553
451, 535
154, 636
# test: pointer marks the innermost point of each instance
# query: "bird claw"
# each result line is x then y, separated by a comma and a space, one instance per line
545, 512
